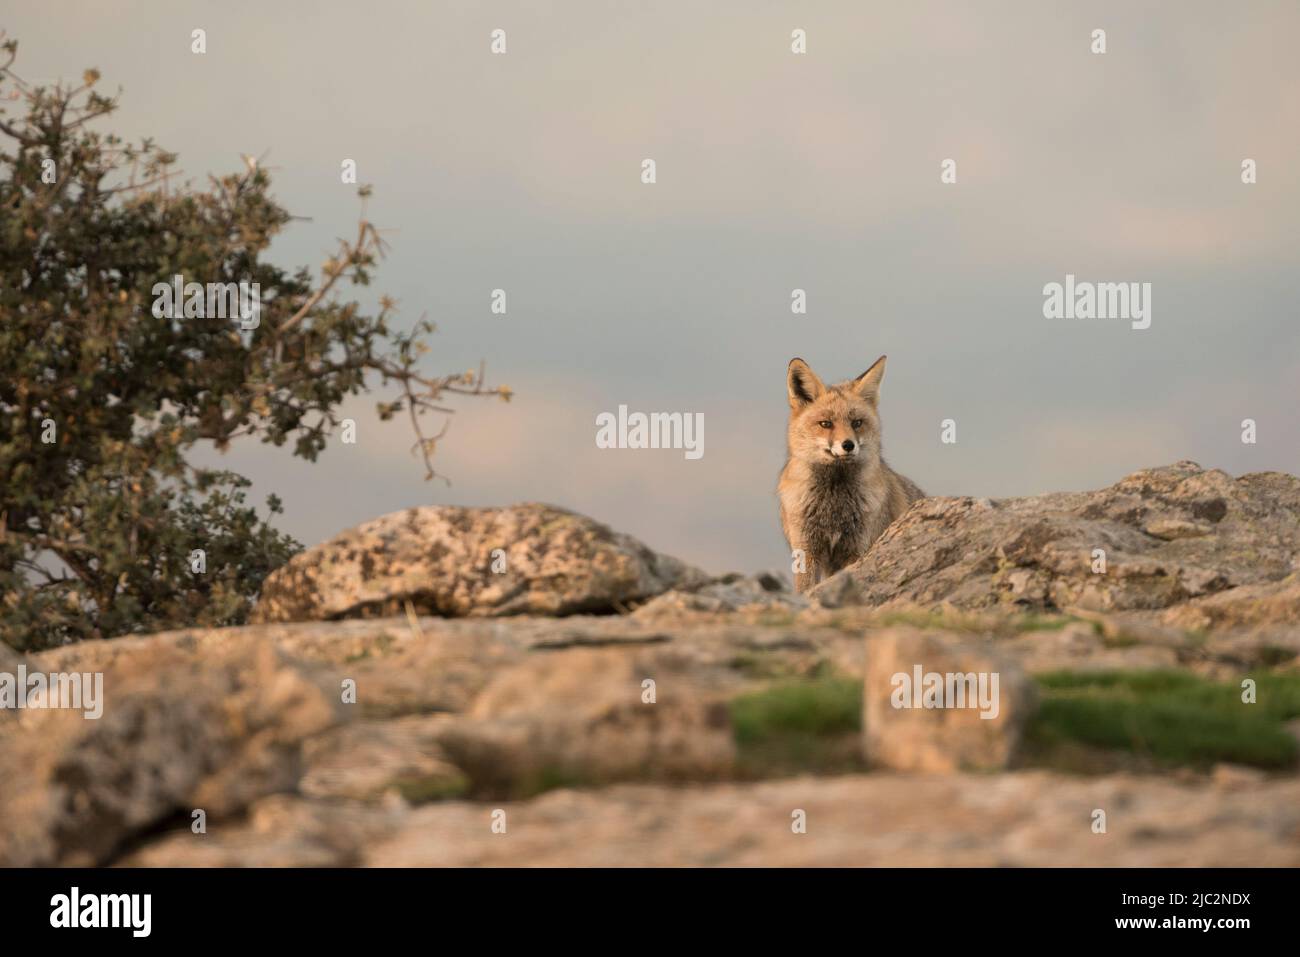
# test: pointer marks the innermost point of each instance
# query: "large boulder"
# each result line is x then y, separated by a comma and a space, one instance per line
453, 561
933, 703
1163, 540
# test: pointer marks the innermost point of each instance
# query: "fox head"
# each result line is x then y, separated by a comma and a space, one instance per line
836, 424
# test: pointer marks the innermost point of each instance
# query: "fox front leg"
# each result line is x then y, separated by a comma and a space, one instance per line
807, 571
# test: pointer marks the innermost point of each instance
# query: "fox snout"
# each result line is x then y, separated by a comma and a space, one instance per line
845, 448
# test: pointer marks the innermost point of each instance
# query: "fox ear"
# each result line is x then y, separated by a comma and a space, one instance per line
867, 385
802, 384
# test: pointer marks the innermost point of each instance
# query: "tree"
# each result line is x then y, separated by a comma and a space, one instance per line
106, 527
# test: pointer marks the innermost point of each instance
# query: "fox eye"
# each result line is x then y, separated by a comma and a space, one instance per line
825, 423
857, 423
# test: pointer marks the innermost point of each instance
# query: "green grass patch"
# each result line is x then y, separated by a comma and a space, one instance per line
921, 618
776, 618
1087, 721
435, 787
999, 623
1121, 639
760, 666
1032, 621
811, 724
1162, 718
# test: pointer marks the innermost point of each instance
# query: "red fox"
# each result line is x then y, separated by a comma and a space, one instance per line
837, 494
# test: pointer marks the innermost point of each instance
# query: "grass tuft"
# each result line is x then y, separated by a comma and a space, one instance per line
1167, 718
1087, 721
806, 725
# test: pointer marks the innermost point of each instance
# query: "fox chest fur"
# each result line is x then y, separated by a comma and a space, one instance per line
833, 513
836, 515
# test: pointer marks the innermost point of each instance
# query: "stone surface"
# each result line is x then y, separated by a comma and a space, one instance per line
176, 734
925, 701
588, 715
546, 717
242, 723
456, 717
216, 719
369, 760
762, 593
1016, 819
1270, 605
440, 559
1180, 538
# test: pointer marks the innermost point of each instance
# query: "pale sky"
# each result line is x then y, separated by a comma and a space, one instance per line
775, 171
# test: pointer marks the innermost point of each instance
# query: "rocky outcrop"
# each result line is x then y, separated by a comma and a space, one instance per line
1190, 545
454, 718
451, 561
651, 732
